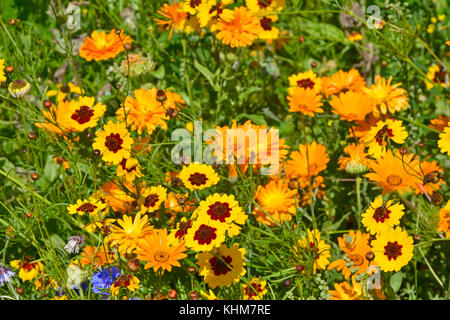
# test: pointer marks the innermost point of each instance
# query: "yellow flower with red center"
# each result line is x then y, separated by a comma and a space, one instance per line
129, 169
305, 80
342, 81
312, 249
181, 229
175, 17
355, 246
306, 101
210, 11
263, 7
222, 266
276, 202
387, 97
197, 176
393, 174
222, 208
268, 31
103, 46
393, 249
127, 281
130, 232
381, 215
114, 142
379, 137
192, 6
28, 270
2, 70
315, 155
356, 162
84, 114
254, 290
62, 162
159, 253
209, 296
151, 198
62, 90
205, 234
436, 75
238, 27
444, 140
352, 106
444, 220
92, 207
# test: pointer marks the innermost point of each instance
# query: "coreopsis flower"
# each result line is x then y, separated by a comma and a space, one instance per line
387, 97
151, 198
159, 253
102, 225
355, 246
116, 197
431, 178
356, 162
205, 234
5, 275
444, 140
2, 70
210, 11
129, 169
379, 137
277, 201
114, 142
197, 176
56, 118
394, 174
103, 46
90, 206
298, 165
444, 220
346, 291
381, 216
306, 101
103, 280
342, 81
393, 249
254, 290
312, 247
19, 88
352, 106
222, 266
127, 281
263, 7
361, 127
62, 90
440, 123
181, 229
129, 232
74, 243
192, 6
355, 36
96, 256
438, 76
175, 17
305, 80
209, 296
84, 114
238, 27
225, 209
268, 31
28, 270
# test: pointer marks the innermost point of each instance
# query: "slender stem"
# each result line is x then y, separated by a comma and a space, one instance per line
358, 198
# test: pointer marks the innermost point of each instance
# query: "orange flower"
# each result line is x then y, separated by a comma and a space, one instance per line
361, 128
440, 123
343, 81
356, 161
431, 181
238, 27
102, 46
175, 16
305, 101
117, 198
96, 255
298, 165
389, 171
352, 105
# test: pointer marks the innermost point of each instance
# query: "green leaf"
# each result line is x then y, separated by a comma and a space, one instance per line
51, 169
255, 118
396, 280
207, 74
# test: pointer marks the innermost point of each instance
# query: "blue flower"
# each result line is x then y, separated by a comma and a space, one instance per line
5, 275
102, 280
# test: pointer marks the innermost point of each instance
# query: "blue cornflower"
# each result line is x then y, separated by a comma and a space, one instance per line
102, 281
5, 275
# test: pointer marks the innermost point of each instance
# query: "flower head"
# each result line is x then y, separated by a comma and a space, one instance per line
84, 114
444, 140
113, 142
5, 275
197, 176
356, 162
312, 248
102, 280
381, 216
175, 17
306, 101
103, 46
352, 106
151, 198
387, 97
379, 137
308, 161
343, 81
238, 27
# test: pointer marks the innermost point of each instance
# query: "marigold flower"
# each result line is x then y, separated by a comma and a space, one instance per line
97, 256
352, 106
346, 291
444, 220
298, 165
343, 81
306, 101
103, 46
174, 15
387, 97
440, 123
431, 178
117, 198
356, 162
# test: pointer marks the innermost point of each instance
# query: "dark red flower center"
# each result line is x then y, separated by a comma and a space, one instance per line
383, 135
183, 229
314, 250
220, 266
87, 207
306, 83
218, 8
252, 291
123, 164
123, 281
195, 3
205, 234
114, 142
264, 3
83, 115
198, 179
266, 23
381, 214
219, 211
439, 77
393, 250
151, 200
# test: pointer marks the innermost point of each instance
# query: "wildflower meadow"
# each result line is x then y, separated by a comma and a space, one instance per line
224, 150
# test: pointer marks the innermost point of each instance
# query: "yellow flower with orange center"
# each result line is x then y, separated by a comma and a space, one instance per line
378, 138
103, 46
352, 106
114, 142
